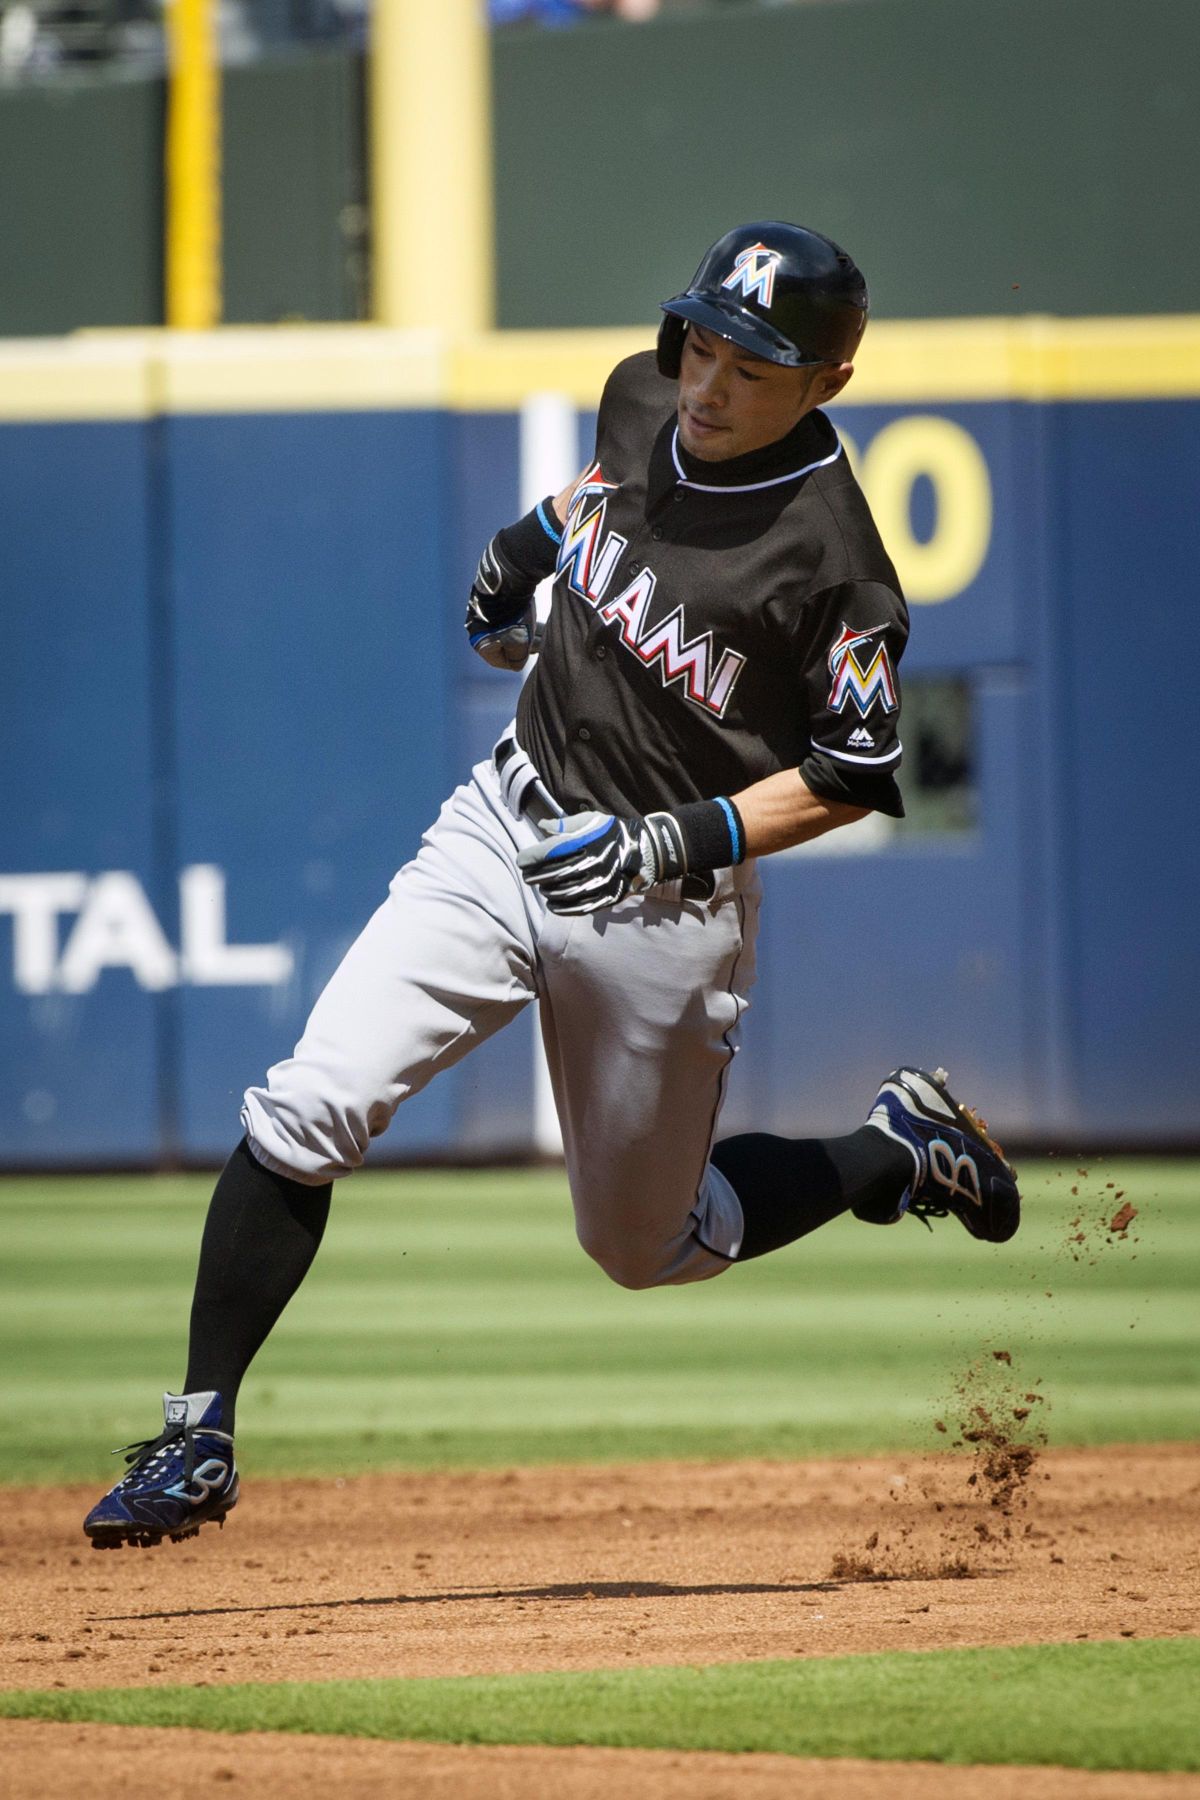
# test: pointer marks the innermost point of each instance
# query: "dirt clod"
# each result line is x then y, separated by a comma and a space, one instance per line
847, 1566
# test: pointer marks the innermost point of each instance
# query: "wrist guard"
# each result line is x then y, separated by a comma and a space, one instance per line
513, 564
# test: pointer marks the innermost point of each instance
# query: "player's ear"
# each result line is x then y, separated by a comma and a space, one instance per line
830, 381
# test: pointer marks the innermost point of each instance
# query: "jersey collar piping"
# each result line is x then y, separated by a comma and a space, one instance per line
745, 487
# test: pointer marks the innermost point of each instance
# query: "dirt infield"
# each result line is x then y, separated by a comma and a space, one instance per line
582, 1568
82, 1762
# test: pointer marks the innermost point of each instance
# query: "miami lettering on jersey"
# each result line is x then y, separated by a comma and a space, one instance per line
589, 557
866, 685
754, 273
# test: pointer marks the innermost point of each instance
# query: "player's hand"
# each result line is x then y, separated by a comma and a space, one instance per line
589, 861
504, 643
501, 619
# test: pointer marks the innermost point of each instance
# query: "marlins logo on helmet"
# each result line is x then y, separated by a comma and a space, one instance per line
754, 272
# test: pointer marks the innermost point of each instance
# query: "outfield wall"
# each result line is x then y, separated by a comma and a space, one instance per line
233, 690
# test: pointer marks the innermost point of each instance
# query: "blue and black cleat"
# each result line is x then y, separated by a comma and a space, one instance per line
958, 1168
177, 1482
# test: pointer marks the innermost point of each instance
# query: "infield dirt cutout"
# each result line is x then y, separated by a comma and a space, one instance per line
583, 1568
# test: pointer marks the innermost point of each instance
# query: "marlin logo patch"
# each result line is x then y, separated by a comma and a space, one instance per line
754, 272
860, 675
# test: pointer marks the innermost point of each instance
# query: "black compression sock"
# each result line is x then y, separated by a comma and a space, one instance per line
260, 1237
790, 1186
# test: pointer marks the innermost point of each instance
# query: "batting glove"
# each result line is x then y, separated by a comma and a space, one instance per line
593, 859
501, 617
590, 860
505, 643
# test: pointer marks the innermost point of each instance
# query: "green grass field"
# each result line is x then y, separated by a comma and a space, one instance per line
1036, 1705
452, 1320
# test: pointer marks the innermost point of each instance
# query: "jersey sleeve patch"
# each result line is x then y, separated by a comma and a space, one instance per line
861, 677
848, 645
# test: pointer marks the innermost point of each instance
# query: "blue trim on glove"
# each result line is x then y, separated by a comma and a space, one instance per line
570, 844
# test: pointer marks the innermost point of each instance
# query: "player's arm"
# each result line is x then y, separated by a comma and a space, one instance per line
501, 620
501, 617
847, 646
782, 810
562, 502
847, 656
593, 859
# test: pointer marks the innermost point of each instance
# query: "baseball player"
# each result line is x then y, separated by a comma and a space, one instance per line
718, 681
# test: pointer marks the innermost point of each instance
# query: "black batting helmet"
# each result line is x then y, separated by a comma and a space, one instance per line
788, 294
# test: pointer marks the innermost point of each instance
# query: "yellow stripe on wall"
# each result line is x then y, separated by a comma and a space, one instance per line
1027, 359
1115, 359
64, 378
330, 368
301, 369
498, 370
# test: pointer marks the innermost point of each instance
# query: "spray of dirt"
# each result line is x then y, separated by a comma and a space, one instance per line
1100, 1216
972, 1513
1000, 1420
976, 1513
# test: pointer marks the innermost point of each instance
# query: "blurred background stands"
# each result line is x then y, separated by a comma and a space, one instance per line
41, 36
38, 37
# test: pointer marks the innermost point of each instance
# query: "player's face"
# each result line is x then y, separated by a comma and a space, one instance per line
731, 401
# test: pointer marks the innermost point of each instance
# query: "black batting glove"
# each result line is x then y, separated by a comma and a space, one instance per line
501, 621
504, 643
593, 860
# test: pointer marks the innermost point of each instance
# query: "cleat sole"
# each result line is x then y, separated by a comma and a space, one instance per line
116, 1537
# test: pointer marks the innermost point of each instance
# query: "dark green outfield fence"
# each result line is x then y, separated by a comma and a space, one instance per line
81, 197
958, 147
978, 156
80, 205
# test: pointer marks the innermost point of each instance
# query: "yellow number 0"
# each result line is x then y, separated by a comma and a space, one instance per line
954, 463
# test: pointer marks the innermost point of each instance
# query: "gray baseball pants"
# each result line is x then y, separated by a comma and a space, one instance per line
640, 1007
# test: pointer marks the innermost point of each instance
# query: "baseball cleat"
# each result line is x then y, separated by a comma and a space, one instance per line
178, 1481
958, 1167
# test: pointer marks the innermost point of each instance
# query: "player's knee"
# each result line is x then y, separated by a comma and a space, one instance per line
628, 1263
299, 1125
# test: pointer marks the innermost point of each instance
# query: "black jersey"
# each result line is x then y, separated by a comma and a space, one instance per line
714, 623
